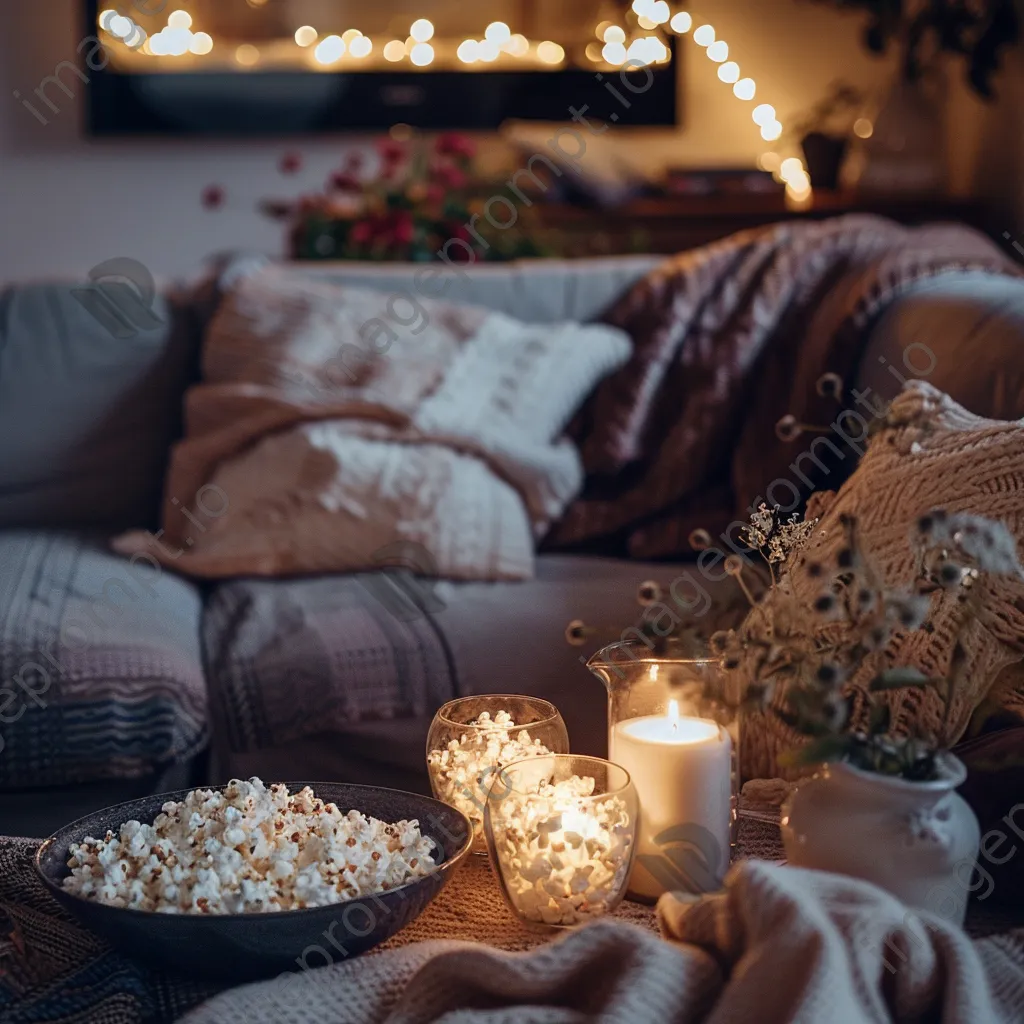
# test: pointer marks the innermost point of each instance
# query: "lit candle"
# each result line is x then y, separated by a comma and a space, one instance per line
681, 768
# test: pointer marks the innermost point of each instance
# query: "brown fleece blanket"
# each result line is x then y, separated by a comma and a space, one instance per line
728, 339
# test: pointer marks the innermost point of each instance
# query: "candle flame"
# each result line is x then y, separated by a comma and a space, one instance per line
673, 714
652, 673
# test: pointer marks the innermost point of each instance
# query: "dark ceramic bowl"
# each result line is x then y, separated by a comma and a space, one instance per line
244, 947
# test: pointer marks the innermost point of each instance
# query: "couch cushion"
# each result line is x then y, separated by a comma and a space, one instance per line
534, 291
100, 669
288, 660
91, 382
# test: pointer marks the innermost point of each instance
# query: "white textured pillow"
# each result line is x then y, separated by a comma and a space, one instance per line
442, 430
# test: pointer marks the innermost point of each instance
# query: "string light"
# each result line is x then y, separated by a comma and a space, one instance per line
487, 51
247, 55
681, 23
468, 51
498, 32
729, 72
329, 50
305, 35
704, 36
614, 34
349, 35
658, 12
361, 46
550, 53
202, 43
745, 89
421, 54
179, 19
518, 46
421, 30
718, 51
394, 51
863, 128
614, 53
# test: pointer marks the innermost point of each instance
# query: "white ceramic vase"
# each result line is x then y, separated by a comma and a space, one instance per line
918, 840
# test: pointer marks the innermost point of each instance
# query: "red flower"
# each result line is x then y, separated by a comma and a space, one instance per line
449, 176
290, 163
455, 144
402, 227
362, 232
434, 193
354, 161
391, 153
212, 197
344, 181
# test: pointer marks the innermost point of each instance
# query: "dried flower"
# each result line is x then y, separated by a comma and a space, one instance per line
648, 593
829, 385
788, 429
776, 539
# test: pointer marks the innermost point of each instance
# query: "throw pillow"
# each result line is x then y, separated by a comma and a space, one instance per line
931, 454
334, 423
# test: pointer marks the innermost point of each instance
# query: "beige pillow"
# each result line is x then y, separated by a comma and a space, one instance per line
931, 454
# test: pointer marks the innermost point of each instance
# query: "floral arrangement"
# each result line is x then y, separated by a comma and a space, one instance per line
793, 660
422, 195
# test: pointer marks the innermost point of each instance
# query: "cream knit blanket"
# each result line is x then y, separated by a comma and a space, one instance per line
336, 425
779, 945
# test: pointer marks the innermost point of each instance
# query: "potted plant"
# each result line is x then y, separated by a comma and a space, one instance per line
882, 805
824, 133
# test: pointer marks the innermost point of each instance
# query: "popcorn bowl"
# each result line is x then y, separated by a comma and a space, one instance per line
249, 946
561, 833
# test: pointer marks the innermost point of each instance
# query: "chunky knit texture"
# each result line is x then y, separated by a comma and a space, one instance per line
332, 422
939, 457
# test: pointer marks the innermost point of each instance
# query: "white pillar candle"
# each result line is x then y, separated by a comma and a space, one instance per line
681, 768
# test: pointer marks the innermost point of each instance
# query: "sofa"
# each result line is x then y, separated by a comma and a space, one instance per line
119, 679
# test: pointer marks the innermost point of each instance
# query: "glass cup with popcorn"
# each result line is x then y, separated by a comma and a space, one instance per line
561, 832
471, 739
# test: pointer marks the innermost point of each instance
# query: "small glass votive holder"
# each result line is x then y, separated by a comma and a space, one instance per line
561, 832
472, 738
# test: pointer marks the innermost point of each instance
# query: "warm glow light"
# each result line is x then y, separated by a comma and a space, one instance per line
763, 114
361, 46
201, 43
498, 32
790, 167
422, 54
729, 72
593, 52
550, 53
863, 128
614, 53
105, 16
614, 34
156, 45
487, 51
305, 36
704, 36
179, 19
659, 12
641, 6
349, 34
673, 713
178, 40
120, 26
745, 89
518, 46
421, 30
771, 131
329, 50
394, 51
647, 24
468, 51
249, 55
768, 161
719, 50
682, 22
602, 28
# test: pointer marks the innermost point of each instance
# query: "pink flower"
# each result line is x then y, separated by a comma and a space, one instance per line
456, 144
391, 153
344, 181
362, 232
450, 176
290, 163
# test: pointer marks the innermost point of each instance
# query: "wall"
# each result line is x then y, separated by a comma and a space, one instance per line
67, 203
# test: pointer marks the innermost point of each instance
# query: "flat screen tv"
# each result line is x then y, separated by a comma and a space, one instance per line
259, 67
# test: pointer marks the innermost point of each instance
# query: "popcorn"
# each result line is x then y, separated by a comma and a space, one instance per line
563, 858
247, 849
462, 772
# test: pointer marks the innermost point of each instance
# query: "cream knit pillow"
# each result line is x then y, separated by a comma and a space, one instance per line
933, 454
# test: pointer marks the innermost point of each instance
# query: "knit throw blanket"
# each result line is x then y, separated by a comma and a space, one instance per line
341, 429
779, 946
728, 339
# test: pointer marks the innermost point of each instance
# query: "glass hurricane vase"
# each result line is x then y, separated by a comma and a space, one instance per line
561, 832
472, 738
